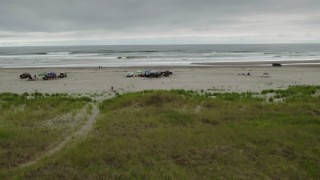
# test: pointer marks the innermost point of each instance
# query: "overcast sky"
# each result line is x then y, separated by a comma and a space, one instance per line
82, 22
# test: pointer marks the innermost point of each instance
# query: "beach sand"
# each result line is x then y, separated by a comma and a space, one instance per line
100, 80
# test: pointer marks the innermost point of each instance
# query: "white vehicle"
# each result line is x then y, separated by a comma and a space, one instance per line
130, 74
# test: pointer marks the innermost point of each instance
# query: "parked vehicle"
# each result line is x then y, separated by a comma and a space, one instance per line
25, 75
276, 64
146, 73
166, 73
130, 74
62, 75
50, 75
155, 74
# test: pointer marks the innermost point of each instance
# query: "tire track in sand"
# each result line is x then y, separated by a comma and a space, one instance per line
84, 129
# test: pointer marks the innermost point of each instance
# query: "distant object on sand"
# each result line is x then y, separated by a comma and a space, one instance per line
50, 75
245, 74
276, 64
265, 75
149, 73
44, 75
130, 74
24, 75
27, 75
62, 75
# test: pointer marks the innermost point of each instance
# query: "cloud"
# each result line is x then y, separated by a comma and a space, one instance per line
72, 20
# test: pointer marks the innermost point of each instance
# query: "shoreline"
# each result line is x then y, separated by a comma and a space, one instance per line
298, 63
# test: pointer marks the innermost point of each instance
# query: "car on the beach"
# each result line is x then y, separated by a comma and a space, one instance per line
130, 74
24, 75
153, 73
276, 64
50, 75
166, 73
62, 75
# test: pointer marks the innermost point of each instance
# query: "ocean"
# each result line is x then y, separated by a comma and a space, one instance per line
152, 55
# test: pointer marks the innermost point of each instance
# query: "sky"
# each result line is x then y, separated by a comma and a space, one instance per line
116, 22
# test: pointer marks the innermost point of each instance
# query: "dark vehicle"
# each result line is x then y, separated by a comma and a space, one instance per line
50, 75
166, 73
276, 64
25, 75
62, 75
146, 73
155, 74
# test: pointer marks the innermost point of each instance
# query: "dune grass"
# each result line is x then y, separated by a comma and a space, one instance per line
32, 124
186, 135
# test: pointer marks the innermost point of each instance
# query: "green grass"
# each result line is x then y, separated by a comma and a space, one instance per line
26, 125
186, 135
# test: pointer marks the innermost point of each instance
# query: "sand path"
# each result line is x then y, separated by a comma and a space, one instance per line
81, 132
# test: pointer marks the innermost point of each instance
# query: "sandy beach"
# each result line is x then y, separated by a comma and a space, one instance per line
100, 81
